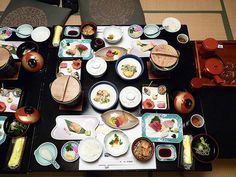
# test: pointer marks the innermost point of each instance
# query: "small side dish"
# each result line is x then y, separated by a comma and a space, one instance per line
72, 31
182, 38
112, 34
171, 24
5, 33
142, 149
88, 30
166, 152
135, 31
116, 143
69, 151
70, 68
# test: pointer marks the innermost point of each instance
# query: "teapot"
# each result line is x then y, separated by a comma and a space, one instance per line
32, 61
184, 102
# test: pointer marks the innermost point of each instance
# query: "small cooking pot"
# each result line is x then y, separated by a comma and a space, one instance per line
214, 67
184, 102
32, 61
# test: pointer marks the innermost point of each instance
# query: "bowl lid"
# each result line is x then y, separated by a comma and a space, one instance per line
96, 66
27, 115
130, 97
214, 66
65, 89
210, 44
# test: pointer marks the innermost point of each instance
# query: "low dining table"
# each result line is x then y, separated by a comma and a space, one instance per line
36, 93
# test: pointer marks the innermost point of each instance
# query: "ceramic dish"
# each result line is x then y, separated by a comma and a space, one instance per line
71, 31
71, 48
153, 99
5, 33
182, 38
70, 68
69, 151
74, 127
166, 152
205, 148
112, 34
151, 31
171, 24
142, 149
116, 143
88, 30
129, 67
119, 119
10, 99
135, 31
50, 147
96, 67
24, 31
40, 34
90, 149
130, 97
162, 127
111, 53
14, 128
103, 95
26, 47
2, 133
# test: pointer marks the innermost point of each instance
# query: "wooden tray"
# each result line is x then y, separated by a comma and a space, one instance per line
226, 51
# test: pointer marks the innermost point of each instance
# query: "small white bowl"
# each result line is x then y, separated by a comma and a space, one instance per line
96, 67
112, 34
25, 29
130, 97
182, 38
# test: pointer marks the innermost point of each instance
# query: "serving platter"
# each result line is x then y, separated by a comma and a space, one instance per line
71, 48
119, 119
70, 68
74, 127
112, 53
152, 99
162, 127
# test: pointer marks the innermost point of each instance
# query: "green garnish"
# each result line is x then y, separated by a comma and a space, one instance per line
116, 141
155, 118
69, 147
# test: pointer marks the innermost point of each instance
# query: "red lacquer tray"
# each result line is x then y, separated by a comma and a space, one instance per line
227, 53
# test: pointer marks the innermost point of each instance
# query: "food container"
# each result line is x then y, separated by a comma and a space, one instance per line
8, 66
32, 62
135, 31
28, 46
88, 30
184, 102
66, 90
195, 122
166, 152
27, 115
182, 38
112, 34
208, 47
142, 149
69, 151
96, 67
97, 43
164, 58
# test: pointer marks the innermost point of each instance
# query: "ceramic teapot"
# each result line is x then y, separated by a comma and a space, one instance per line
184, 102
32, 61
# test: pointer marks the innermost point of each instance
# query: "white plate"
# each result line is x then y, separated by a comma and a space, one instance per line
62, 132
116, 149
90, 149
40, 34
24, 29
96, 66
130, 97
107, 87
171, 24
131, 61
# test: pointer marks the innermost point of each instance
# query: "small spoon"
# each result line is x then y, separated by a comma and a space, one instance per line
46, 154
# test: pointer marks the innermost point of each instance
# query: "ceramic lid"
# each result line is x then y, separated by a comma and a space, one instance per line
65, 89
96, 66
130, 97
27, 115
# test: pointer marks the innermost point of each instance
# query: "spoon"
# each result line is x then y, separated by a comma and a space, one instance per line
47, 155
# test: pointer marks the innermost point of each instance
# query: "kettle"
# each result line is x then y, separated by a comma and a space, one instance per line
32, 61
184, 102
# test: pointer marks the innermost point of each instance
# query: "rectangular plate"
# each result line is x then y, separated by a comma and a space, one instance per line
226, 51
66, 44
165, 134
69, 70
159, 98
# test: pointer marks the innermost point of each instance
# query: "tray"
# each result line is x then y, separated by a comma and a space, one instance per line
226, 51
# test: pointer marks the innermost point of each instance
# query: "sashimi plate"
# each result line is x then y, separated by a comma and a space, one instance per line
74, 127
71, 48
162, 127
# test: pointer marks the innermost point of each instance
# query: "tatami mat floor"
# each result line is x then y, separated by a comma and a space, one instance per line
205, 18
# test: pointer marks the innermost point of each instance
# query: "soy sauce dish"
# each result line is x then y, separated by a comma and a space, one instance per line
166, 152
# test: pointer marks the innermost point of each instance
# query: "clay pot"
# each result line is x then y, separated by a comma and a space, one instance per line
184, 102
32, 62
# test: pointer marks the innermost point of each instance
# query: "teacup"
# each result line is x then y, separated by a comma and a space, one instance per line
197, 121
